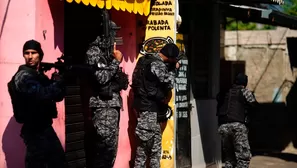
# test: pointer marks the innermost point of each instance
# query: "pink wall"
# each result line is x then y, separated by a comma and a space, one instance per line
127, 21
49, 31
43, 21
21, 21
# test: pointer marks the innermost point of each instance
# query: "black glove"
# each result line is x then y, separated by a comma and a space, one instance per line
56, 77
170, 66
122, 79
165, 113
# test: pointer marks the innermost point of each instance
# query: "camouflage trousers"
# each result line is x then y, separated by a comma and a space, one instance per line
106, 123
148, 133
235, 145
44, 149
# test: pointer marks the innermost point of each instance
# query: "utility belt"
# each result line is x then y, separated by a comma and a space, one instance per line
163, 114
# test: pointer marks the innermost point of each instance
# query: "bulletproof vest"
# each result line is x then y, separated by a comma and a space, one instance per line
233, 106
117, 83
28, 109
148, 91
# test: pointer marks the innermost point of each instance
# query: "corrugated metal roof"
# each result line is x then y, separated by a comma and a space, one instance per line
266, 16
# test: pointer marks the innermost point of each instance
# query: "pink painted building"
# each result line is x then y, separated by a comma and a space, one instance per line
44, 21
21, 21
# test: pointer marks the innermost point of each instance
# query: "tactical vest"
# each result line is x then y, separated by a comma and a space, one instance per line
28, 109
148, 91
117, 83
233, 107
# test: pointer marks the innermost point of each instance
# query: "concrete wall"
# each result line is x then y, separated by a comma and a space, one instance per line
271, 78
266, 60
19, 22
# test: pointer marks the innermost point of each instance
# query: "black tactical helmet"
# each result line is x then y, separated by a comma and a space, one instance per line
241, 79
170, 50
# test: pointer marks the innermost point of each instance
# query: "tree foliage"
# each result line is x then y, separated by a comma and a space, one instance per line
233, 24
290, 7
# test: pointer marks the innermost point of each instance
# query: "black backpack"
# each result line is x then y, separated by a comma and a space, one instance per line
18, 100
16, 105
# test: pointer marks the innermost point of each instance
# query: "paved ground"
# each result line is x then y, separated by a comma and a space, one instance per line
273, 162
286, 159
281, 160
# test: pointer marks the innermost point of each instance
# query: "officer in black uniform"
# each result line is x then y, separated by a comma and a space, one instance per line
233, 106
152, 82
108, 80
34, 98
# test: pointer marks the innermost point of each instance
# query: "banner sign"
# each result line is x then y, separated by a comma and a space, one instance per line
160, 30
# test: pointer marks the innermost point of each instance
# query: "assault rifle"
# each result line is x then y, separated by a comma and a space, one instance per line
64, 64
62, 67
106, 45
108, 36
59, 65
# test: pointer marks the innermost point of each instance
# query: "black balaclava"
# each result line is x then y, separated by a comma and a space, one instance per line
241, 79
33, 45
170, 50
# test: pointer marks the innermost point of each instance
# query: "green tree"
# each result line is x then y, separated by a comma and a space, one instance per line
232, 24
290, 7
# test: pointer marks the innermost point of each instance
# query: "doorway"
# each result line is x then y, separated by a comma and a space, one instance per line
82, 26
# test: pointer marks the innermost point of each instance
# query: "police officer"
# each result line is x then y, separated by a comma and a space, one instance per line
106, 101
233, 106
34, 98
152, 83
